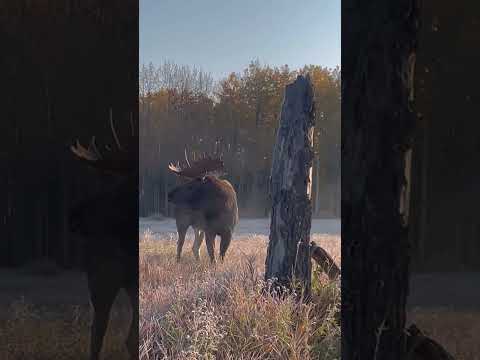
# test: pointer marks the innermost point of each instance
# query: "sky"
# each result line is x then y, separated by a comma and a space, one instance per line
224, 36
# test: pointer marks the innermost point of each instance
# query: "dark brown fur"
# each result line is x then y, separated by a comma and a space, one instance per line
105, 221
108, 223
210, 204
186, 217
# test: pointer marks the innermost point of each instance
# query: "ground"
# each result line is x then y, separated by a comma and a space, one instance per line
47, 316
446, 306
222, 319
195, 311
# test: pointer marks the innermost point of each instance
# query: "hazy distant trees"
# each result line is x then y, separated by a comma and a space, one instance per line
182, 107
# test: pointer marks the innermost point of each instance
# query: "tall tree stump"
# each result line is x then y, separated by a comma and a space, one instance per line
377, 128
288, 255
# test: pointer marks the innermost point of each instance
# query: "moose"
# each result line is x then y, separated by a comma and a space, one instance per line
108, 223
205, 202
186, 217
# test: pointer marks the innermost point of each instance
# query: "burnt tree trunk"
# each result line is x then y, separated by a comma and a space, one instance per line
288, 255
377, 127
317, 186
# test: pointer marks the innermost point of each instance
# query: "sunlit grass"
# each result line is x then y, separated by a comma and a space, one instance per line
191, 310
33, 332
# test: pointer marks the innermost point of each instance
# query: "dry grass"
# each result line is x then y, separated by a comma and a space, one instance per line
457, 331
29, 331
194, 311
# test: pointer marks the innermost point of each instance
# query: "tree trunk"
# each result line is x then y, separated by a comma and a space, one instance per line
291, 189
377, 127
424, 194
317, 186
63, 216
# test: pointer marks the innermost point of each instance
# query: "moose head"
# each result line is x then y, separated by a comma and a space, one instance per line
198, 175
108, 222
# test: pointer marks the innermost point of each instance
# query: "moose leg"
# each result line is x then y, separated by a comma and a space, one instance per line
182, 231
102, 295
197, 243
210, 241
132, 340
226, 238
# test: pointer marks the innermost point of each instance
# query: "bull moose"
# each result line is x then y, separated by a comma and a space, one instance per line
205, 202
108, 223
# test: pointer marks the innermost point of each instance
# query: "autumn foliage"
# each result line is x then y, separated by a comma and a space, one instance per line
183, 107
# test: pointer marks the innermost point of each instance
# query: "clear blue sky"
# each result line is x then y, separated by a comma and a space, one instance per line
221, 36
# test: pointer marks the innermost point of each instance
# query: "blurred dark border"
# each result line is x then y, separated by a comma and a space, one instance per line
427, 270
63, 66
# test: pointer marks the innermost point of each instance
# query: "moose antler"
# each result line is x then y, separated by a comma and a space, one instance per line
207, 165
119, 162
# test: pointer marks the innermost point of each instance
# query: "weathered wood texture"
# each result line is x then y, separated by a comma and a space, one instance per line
288, 254
378, 57
325, 261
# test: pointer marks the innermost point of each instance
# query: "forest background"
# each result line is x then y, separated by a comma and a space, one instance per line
183, 107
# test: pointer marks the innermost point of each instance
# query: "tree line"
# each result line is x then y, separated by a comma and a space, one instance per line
182, 107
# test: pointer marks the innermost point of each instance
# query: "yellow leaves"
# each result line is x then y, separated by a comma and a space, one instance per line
243, 113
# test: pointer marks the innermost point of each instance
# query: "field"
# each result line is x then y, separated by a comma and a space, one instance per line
195, 311
458, 331
46, 315
446, 307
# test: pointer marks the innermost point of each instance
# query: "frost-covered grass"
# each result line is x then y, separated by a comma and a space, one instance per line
30, 330
191, 310
188, 310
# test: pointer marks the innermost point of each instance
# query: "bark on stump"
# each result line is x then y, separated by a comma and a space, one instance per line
288, 254
377, 128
